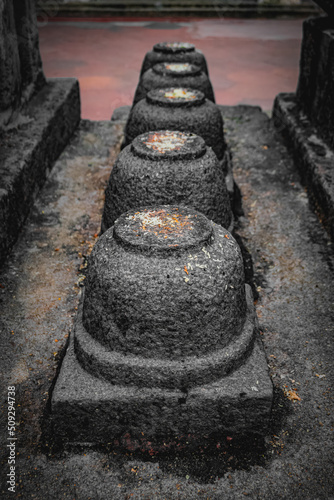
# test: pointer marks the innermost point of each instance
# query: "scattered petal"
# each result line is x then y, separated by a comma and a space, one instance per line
293, 396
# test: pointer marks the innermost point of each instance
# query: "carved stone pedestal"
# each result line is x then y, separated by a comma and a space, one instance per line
166, 341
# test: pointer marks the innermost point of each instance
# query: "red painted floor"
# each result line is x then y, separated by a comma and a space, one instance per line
250, 61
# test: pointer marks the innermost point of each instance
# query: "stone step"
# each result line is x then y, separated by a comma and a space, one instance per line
29, 149
151, 8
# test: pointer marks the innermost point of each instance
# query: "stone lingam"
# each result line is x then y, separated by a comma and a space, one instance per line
166, 167
183, 109
165, 342
181, 52
174, 74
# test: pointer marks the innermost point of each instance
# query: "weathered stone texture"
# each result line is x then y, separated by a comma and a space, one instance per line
28, 45
306, 119
165, 340
174, 52
327, 5
315, 92
313, 157
190, 175
162, 75
167, 296
21, 71
197, 115
26, 155
10, 78
37, 118
86, 408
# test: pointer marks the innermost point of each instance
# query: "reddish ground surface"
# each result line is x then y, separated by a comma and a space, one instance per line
250, 61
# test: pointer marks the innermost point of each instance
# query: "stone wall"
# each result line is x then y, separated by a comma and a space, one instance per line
21, 71
37, 118
203, 8
208, 2
306, 118
315, 91
10, 77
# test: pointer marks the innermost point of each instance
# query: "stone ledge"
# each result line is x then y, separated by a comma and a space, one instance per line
88, 409
29, 150
151, 8
312, 155
126, 369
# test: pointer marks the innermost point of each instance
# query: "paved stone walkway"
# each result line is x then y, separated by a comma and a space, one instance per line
293, 262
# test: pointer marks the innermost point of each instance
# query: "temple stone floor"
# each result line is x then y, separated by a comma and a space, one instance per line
40, 287
250, 61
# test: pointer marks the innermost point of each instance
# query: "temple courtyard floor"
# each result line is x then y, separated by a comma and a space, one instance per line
250, 61
42, 280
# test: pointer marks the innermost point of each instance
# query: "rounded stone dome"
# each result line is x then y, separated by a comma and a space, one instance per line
174, 74
174, 52
165, 283
183, 109
167, 167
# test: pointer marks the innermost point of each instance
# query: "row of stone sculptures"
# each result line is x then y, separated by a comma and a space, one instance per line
165, 342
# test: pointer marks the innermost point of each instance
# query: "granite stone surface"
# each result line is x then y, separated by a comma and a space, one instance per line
293, 261
306, 119
138, 370
174, 74
178, 109
165, 307
10, 77
315, 91
313, 157
32, 76
183, 171
181, 52
165, 282
28, 153
91, 410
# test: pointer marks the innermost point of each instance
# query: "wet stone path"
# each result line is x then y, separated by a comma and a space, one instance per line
293, 263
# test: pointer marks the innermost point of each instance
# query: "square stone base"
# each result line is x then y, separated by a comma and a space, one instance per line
89, 410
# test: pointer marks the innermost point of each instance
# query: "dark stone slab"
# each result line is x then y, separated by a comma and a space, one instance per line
306, 119
88, 409
165, 167
32, 75
313, 157
327, 5
174, 52
28, 152
175, 74
239, 9
315, 91
10, 78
